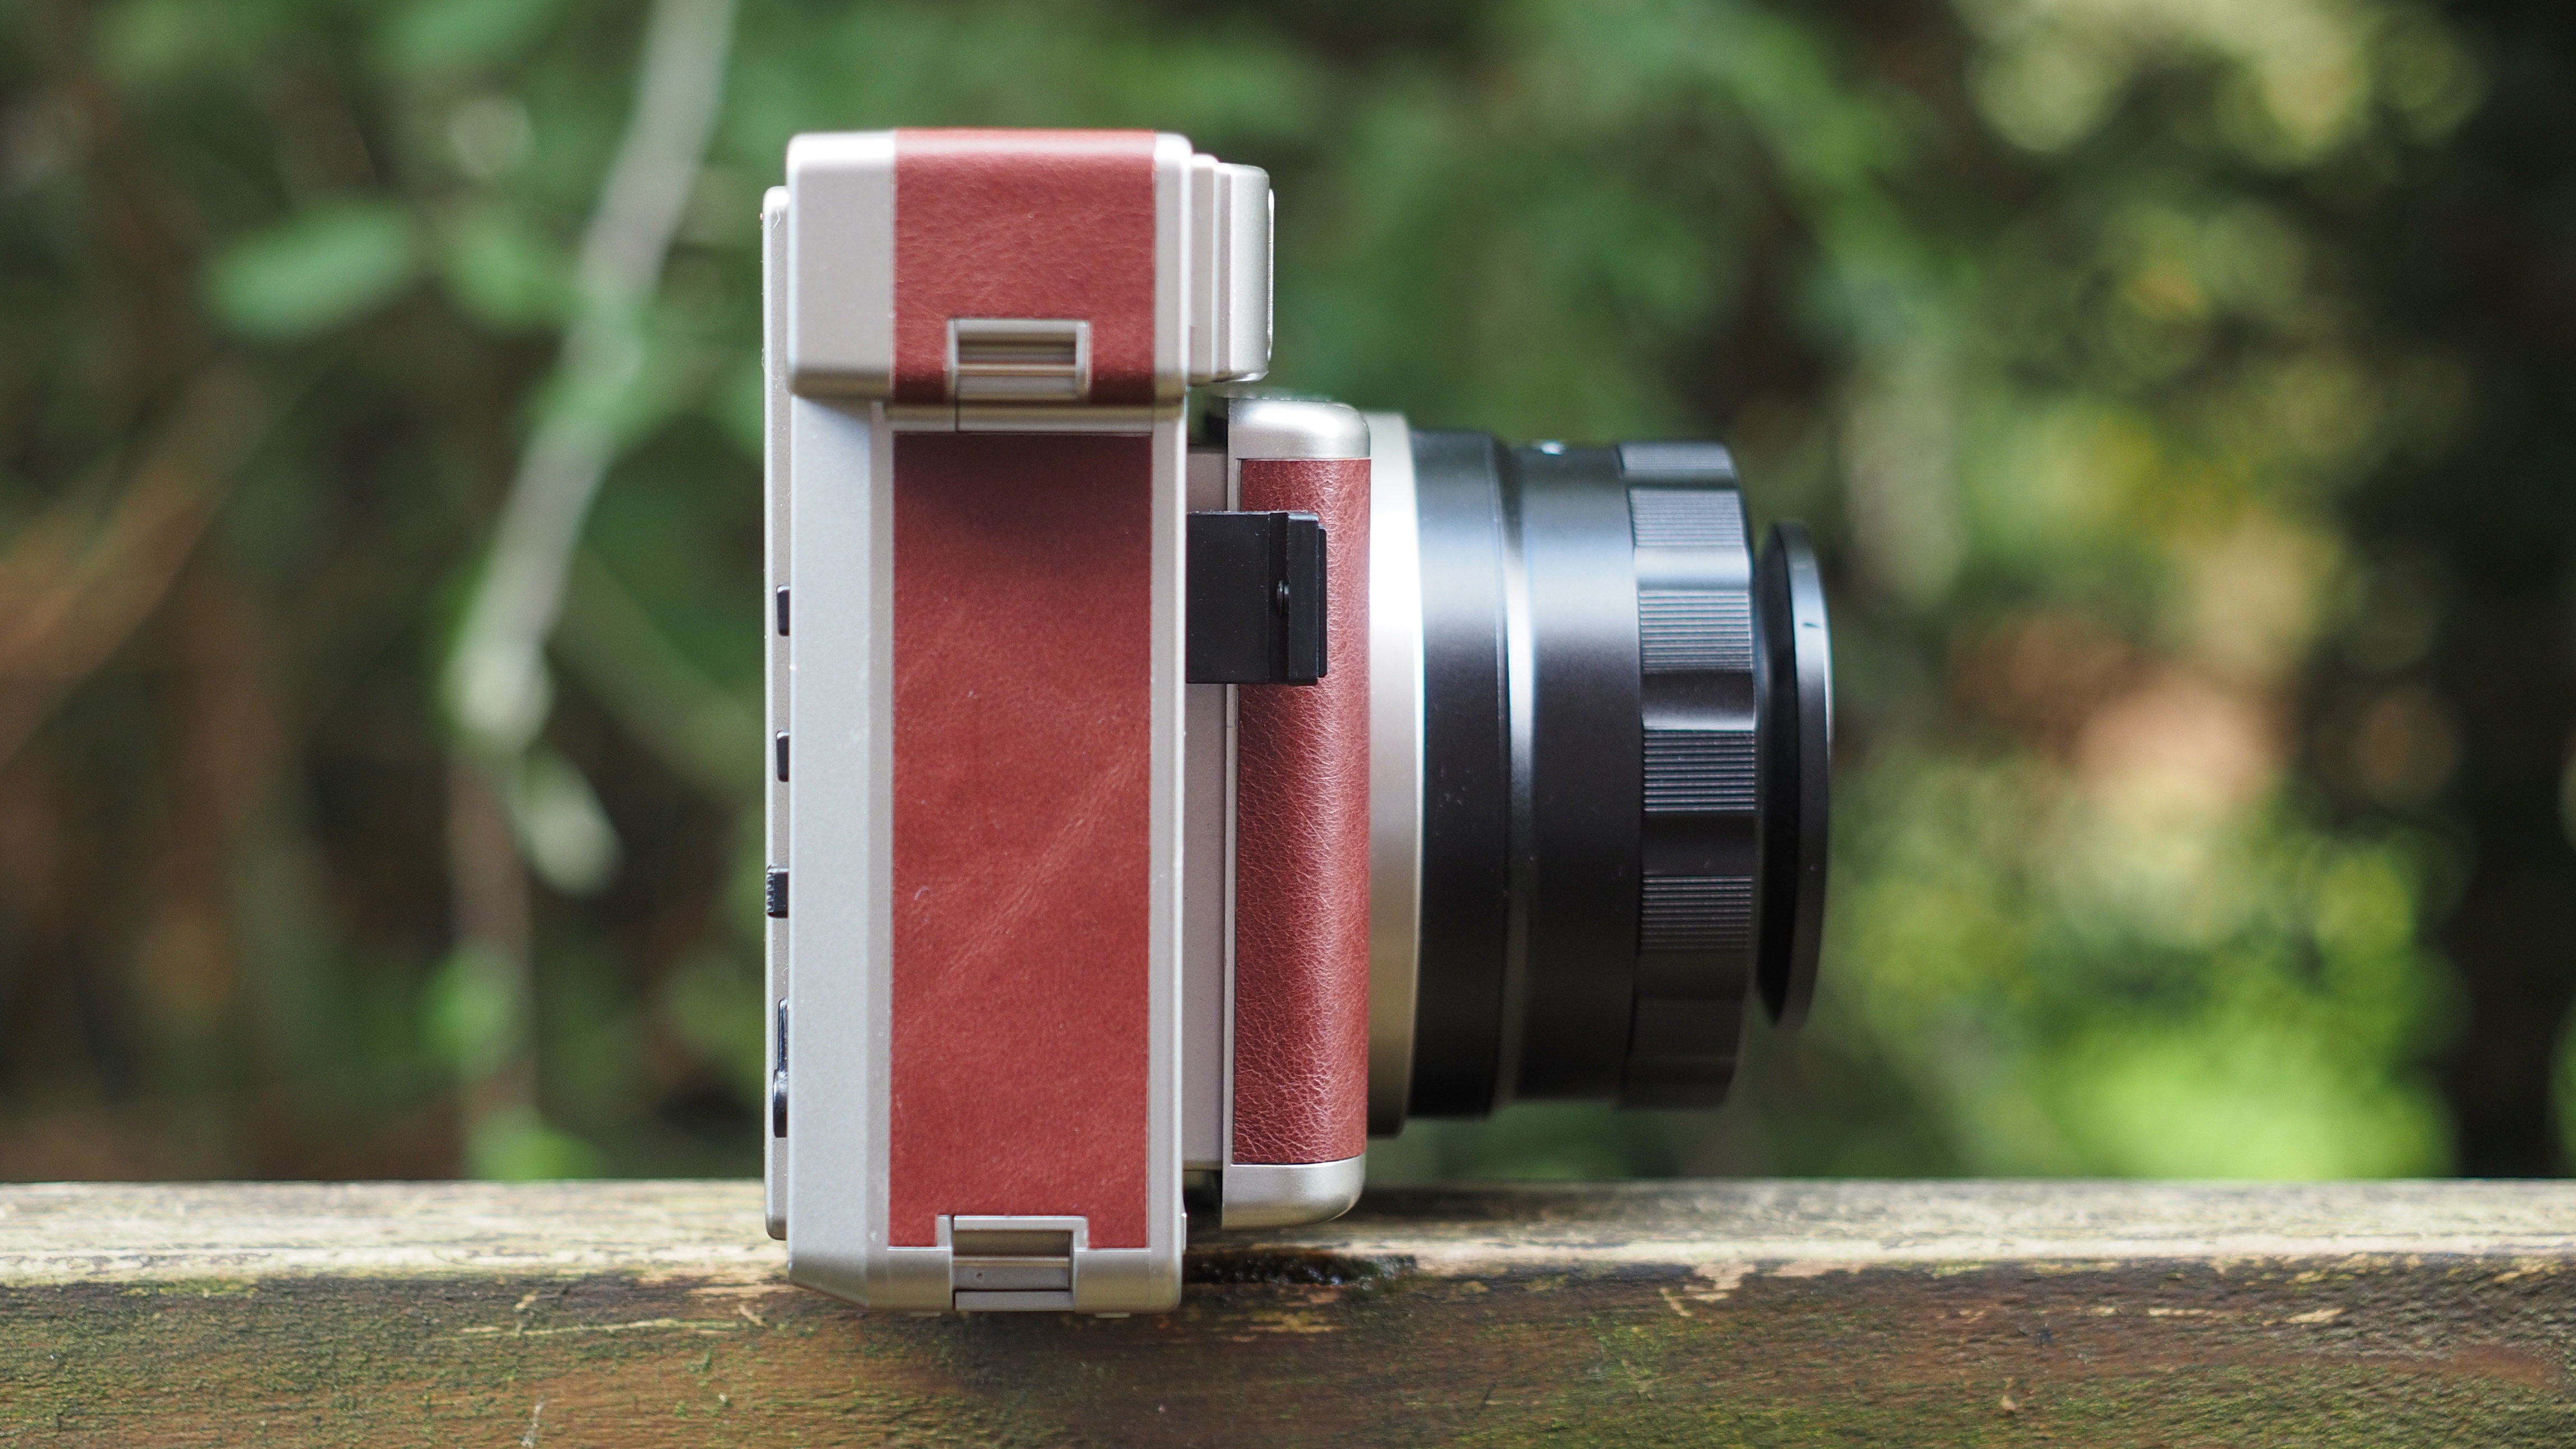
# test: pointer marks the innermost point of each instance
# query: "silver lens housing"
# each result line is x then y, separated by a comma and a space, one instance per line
1395, 768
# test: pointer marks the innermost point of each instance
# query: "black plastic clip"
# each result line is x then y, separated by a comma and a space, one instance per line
1256, 604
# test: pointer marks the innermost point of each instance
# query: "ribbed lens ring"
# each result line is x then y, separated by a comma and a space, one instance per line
1694, 573
1591, 884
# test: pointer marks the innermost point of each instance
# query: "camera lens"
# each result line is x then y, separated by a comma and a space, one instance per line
1620, 727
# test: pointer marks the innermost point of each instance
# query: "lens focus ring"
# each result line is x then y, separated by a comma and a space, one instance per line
1695, 643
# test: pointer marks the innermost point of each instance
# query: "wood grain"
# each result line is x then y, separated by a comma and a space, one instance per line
1701, 1313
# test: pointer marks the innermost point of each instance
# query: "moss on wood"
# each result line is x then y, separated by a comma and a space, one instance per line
1346, 1336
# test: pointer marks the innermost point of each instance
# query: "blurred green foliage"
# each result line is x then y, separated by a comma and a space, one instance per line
2057, 319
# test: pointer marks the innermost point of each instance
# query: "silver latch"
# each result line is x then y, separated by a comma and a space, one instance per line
1012, 1262
1019, 360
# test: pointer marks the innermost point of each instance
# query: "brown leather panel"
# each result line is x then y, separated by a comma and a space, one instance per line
1301, 862
1025, 224
1023, 619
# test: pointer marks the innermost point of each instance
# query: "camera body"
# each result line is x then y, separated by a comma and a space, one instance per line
1170, 790
1056, 917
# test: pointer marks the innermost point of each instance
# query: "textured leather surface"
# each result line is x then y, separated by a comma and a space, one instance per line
1301, 862
1022, 819
1025, 224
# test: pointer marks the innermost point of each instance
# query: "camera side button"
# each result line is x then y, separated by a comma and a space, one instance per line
778, 1080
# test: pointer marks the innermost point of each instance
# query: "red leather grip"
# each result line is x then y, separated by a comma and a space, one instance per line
1023, 702
1023, 605
1301, 939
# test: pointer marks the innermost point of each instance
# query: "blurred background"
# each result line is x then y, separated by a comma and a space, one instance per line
2184, 394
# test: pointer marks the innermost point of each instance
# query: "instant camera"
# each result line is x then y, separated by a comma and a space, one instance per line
1176, 782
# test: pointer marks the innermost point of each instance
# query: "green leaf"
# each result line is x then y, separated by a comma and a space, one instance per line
435, 35
518, 1146
469, 1011
152, 43
503, 272
313, 272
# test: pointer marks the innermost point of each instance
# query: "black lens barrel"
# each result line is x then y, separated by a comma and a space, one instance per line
1620, 811
1466, 776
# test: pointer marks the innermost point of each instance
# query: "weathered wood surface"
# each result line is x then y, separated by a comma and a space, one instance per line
1702, 1313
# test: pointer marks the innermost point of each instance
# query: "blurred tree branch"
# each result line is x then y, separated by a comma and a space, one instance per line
497, 691
74, 586
496, 678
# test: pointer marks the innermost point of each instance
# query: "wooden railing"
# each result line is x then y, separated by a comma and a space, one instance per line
1717, 1313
